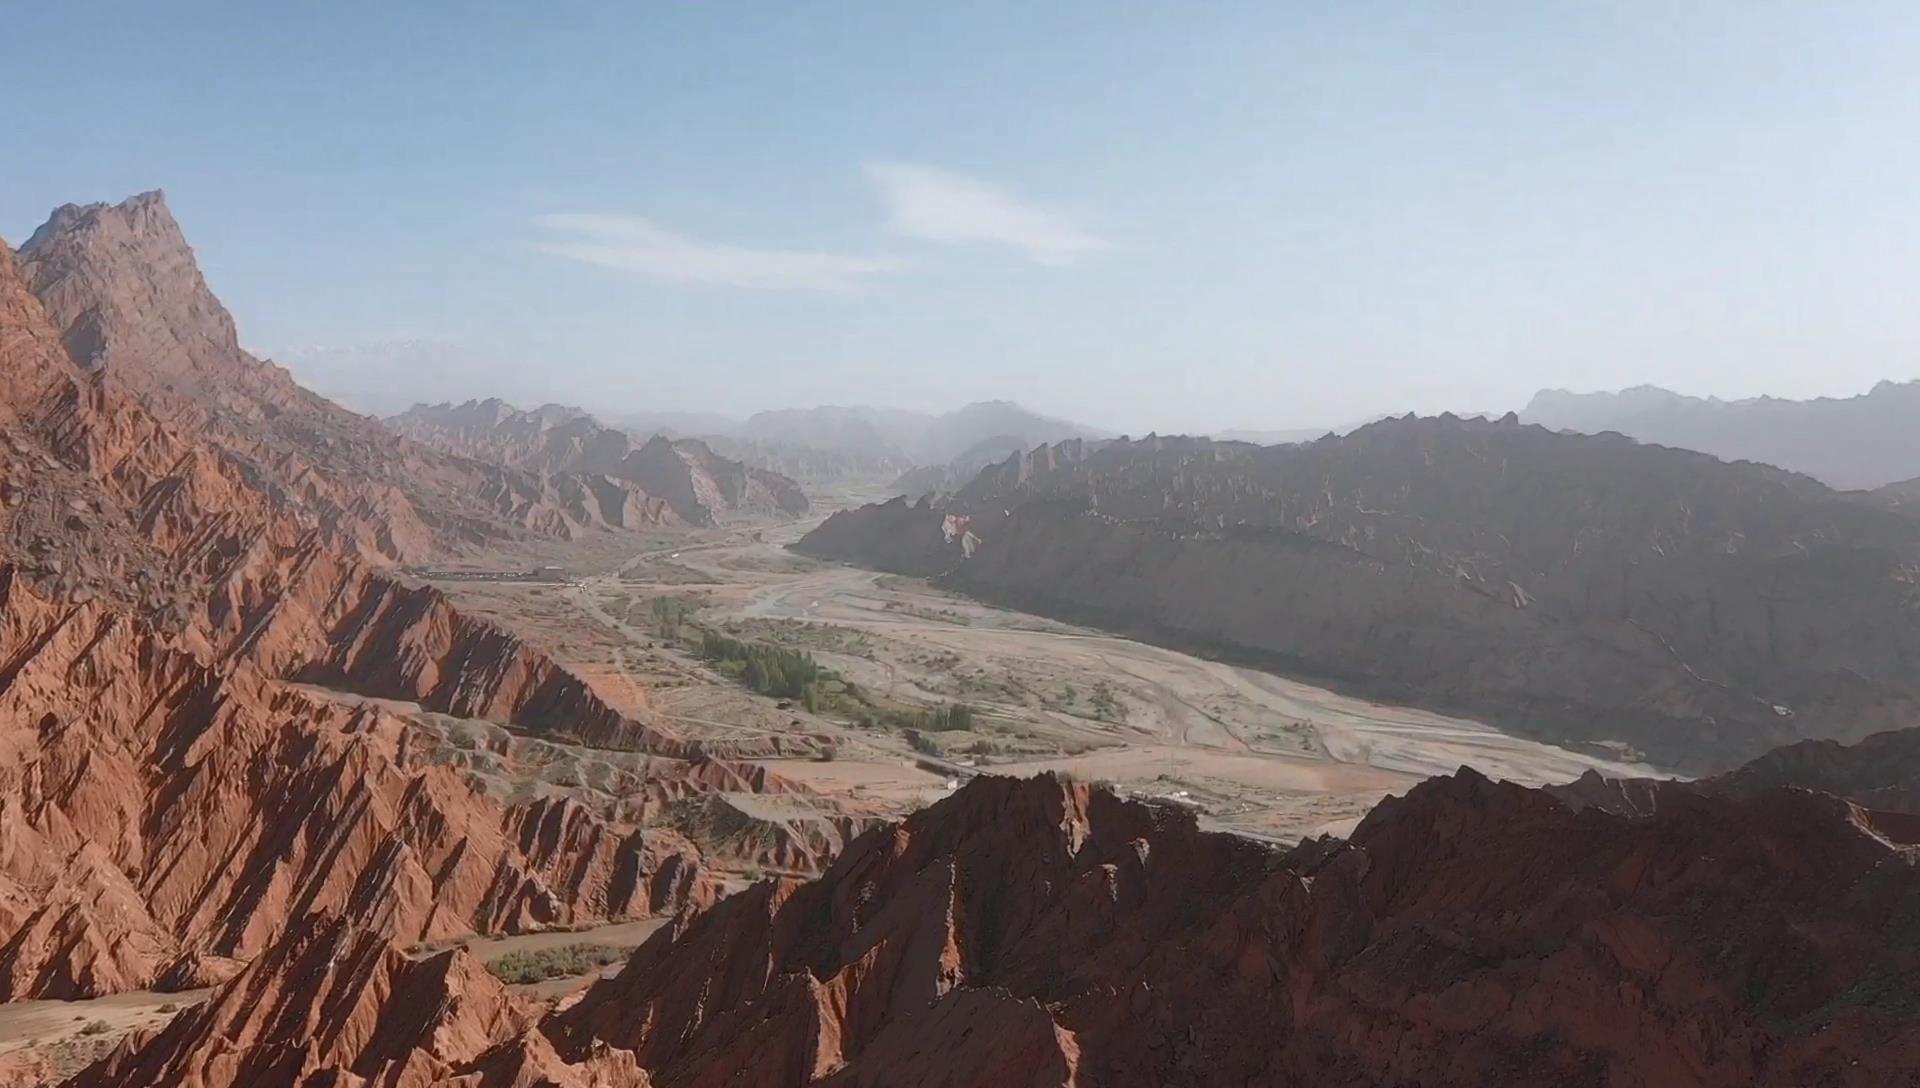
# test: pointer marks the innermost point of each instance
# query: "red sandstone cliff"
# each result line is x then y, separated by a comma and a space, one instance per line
158, 816
1044, 933
169, 803
337, 1006
101, 498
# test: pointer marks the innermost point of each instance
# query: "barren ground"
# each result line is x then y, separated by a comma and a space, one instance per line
1249, 750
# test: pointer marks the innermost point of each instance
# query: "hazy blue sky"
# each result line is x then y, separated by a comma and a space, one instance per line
1180, 216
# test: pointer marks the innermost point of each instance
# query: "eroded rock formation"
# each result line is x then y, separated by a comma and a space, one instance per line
1881, 774
697, 484
103, 499
169, 801
1043, 932
158, 817
1470, 933
335, 1006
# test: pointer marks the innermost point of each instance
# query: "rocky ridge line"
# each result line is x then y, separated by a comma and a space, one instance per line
697, 484
1045, 933
124, 290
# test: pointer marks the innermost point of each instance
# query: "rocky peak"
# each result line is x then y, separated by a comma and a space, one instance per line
126, 291
122, 288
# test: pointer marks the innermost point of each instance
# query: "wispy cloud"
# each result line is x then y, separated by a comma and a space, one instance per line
938, 206
638, 245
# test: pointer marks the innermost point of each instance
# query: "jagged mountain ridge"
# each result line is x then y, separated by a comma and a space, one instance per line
102, 499
1865, 441
1880, 774
1045, 933
685, 474
1582, 589
123, 287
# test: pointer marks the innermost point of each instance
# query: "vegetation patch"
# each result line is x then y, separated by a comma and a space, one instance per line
765, 668
565, 961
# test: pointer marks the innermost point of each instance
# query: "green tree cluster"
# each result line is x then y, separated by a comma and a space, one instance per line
769, 670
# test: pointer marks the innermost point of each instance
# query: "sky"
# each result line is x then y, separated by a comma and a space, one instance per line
1139, 216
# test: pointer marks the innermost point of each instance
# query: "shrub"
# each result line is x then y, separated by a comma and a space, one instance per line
565, 961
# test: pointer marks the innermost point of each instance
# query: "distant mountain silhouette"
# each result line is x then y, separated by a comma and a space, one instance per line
1852, 442
914, 437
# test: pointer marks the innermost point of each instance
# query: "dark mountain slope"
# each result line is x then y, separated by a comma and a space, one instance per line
1583, 589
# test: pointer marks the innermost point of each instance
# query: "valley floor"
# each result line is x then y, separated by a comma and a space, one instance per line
1249, 750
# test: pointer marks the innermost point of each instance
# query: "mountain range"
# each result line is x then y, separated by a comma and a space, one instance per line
696, 484
1858, 442
1584, 589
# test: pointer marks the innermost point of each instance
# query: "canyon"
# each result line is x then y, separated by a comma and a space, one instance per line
306, 723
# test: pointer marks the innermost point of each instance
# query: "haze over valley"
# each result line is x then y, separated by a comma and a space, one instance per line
1263, 545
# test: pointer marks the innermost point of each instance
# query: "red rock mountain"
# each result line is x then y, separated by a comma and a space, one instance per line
1044, 933
168, 802
1584, 589
161, 819
699, 485
122, 286
1470, 933
103, 499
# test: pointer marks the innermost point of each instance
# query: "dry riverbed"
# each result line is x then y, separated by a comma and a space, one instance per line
1248, 750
